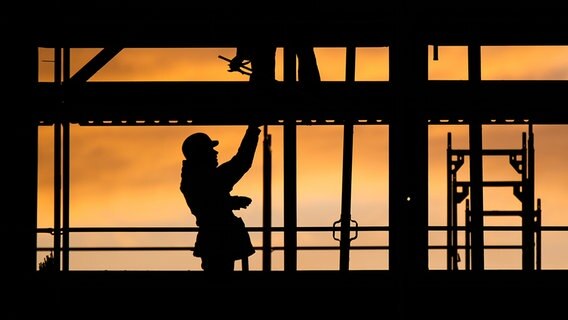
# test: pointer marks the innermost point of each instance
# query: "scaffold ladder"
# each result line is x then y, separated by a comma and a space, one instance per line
522, 161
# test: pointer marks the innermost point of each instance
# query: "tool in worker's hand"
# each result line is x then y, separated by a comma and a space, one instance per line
242, 68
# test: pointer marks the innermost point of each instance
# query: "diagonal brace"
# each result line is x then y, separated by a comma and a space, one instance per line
94, 65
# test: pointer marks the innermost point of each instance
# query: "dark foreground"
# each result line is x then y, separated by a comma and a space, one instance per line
298, 295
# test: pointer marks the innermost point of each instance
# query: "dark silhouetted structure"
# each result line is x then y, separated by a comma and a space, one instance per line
206, 186
263, 63
408, 103
262, 59
522, 161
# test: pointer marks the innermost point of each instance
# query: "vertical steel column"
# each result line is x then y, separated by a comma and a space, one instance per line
408, 162
528, 219
20, 56
290, 179
57, 170
266, 202
66, 163
345, 240
467, 235
538, 240
396, 240
32, 183
408, 155
290, 197
452, 234
350, 57
450, 205
476, 166
289, 65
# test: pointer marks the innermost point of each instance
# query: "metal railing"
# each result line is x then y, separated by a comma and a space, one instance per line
271, 230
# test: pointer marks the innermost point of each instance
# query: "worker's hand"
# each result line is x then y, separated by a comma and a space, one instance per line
234, 65
240, 202
237, 63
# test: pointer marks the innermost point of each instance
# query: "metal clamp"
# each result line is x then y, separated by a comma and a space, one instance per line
356, 227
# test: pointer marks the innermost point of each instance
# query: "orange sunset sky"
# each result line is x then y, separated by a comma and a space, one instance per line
129, 176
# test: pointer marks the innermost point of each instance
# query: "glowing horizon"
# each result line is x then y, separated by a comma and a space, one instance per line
129, 176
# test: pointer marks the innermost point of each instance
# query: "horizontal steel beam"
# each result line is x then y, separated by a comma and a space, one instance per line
219, 103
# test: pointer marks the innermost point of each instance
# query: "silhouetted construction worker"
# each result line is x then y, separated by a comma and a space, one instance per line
206, 186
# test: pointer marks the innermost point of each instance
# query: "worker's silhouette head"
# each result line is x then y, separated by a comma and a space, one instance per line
199, 147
